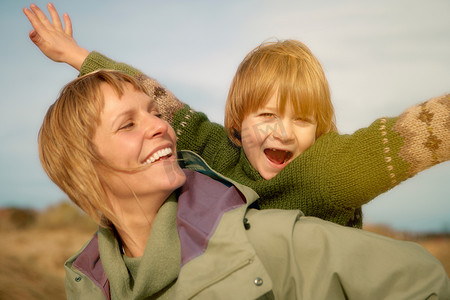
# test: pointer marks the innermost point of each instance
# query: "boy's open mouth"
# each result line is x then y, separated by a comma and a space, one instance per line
277, 156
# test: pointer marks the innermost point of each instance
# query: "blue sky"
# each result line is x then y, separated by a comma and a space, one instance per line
379, 56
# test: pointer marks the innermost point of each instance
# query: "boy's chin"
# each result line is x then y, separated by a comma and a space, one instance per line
271, 169
267, 174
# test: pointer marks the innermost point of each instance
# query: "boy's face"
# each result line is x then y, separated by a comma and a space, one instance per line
271, 140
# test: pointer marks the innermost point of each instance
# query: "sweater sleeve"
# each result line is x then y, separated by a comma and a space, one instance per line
208, 139
167, 103
425, 129
194, 131
373, 160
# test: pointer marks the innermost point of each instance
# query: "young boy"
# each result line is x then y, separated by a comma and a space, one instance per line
280, 138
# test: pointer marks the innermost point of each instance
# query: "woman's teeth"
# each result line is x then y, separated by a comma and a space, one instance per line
158, 155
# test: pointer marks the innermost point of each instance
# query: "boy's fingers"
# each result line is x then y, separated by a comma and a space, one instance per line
40, 15
34, 37
35, 22
68, 24
55, 17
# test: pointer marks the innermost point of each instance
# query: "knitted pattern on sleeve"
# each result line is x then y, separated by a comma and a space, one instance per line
425, 128
167, 103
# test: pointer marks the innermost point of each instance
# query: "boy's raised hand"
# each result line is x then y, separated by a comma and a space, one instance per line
52, 39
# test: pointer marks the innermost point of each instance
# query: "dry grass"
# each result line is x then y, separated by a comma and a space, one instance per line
35, 246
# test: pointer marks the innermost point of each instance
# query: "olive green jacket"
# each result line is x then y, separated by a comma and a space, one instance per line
246, 253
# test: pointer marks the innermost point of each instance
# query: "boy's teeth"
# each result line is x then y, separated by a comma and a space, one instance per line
278, 156
157, 155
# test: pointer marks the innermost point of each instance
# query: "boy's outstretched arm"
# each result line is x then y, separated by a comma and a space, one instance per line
55, 41
377, 158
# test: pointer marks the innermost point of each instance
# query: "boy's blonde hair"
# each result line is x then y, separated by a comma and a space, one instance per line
66, 148
288, 67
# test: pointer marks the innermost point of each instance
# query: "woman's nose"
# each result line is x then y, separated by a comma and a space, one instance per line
154, 126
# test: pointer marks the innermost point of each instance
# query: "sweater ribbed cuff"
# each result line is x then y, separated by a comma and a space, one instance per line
96, 61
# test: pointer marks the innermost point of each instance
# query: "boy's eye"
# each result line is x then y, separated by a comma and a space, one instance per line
267, 115
304, 120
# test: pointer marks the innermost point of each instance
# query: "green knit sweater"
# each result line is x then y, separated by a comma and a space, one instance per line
336, 175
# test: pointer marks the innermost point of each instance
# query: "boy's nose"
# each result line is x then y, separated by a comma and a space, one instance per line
284, 130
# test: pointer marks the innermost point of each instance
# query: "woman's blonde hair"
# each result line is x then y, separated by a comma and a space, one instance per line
66, 148
289, 68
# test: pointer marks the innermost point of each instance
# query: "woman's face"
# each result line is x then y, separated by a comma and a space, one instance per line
132, 137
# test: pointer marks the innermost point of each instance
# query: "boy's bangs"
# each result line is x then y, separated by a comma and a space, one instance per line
258, 88
297, 89
300, 99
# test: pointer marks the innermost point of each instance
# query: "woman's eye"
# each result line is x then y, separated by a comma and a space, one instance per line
155, 112
127, 126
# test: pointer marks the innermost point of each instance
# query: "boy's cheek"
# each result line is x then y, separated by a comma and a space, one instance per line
249, 139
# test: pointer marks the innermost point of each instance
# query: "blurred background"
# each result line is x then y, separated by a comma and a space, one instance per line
380, 57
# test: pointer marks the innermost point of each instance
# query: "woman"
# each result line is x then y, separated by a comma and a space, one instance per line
178, 234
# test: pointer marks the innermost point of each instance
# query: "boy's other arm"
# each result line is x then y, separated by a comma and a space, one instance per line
375, 159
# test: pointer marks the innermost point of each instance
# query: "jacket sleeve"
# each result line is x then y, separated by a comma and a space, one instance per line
308, 258
358, 167
365, 265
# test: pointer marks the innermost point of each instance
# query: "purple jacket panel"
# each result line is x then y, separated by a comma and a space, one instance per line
90, 264
201, 204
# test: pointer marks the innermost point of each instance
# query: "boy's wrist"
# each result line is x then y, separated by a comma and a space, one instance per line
77, 58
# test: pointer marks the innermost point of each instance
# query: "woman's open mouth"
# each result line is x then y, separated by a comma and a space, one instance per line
159, 155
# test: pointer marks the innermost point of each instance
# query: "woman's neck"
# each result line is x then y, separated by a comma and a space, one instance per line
136, 216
